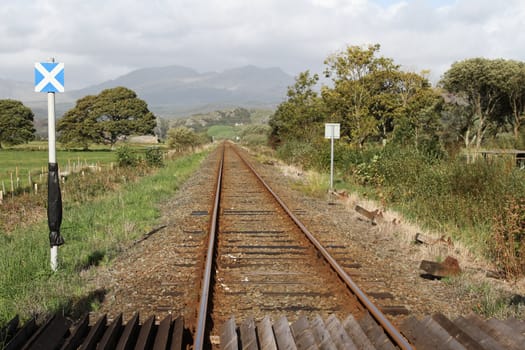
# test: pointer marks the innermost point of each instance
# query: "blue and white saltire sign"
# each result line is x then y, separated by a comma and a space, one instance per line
49, 77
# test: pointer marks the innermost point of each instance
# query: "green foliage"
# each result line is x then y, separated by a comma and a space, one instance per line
300, 116
107, 117
126, 157
154, 157
255, 134
16, 123
492, 93
369, 96
182, 139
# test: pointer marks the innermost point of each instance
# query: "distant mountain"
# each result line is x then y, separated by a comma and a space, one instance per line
178, 91
174, 91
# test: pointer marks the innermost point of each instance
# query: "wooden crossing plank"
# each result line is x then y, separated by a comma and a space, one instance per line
448, 341
23, 335
248, 335
304, 338
357, 334
229, 340
494, 333
478, 334
50, 335
145, 337
265, 333
375, 333
110, 337
420, 336
321, 334
341, 339
283, 335
467, 341
130, 333
163, 334
517, 325
79, 332
515, 339
177, 336
95, 333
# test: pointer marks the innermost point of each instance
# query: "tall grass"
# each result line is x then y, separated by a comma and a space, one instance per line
95, 227
442, 193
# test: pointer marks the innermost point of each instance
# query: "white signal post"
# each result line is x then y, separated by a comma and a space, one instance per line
332, 131
51, 134
49, 77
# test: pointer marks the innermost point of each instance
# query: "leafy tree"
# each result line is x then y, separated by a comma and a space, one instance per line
16, 123
362, 91
513, 87
478, 81
300, 116
78, 126
106, 117
419, 108
182, 138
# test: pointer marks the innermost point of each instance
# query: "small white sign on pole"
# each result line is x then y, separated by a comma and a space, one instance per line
332, 131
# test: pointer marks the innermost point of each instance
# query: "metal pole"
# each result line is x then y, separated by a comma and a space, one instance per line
51, 126
52, 160
332, 161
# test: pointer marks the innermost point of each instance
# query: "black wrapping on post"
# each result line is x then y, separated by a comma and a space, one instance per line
54, 206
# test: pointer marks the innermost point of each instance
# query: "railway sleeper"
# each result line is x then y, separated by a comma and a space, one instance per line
431, 332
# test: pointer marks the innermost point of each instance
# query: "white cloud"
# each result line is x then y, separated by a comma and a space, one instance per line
100, 40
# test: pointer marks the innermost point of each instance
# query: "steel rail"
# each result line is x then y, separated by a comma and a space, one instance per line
392, 331
205, 290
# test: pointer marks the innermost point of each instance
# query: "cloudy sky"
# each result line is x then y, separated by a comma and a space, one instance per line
100, 39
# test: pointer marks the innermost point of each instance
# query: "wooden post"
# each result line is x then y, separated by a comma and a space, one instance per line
1, 197
36, 188
12, 183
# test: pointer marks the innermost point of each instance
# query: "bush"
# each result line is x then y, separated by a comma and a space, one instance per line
125, 157
154, 157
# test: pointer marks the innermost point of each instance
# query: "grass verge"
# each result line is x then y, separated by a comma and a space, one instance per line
94, 231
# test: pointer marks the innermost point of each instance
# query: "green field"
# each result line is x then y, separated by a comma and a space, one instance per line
219, 132
33, 158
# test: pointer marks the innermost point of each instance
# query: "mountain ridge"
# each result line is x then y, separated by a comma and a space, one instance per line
174, 91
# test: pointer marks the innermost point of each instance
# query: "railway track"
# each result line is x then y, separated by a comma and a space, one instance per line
264, 261
265, 270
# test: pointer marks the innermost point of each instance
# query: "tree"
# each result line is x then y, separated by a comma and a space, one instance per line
16, 123
300, 116
182, 138
419, 108
107, 117
478, 81
513, 86
78, 126
362, 86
